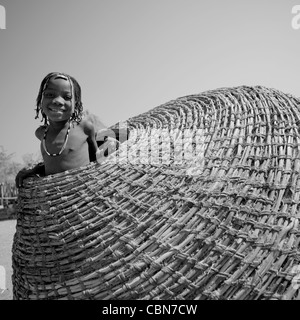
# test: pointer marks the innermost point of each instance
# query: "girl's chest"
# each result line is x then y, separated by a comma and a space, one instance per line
69, 139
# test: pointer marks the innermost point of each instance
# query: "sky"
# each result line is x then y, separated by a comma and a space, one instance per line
130, 56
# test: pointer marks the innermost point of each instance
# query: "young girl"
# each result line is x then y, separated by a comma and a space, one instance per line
67, 139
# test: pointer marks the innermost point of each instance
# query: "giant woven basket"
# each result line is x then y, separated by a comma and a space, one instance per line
201, 202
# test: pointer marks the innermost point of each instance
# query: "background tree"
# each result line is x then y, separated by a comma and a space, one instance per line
30, 159
8, 167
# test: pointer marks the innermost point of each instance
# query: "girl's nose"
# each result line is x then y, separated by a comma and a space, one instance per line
58, 100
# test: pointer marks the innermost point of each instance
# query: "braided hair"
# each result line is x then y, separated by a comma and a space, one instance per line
76, 99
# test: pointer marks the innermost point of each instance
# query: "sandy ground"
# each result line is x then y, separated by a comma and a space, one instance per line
7, 231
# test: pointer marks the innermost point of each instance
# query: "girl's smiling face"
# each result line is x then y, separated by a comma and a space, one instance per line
57, 99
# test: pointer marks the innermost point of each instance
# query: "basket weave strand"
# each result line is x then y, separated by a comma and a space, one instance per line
201, 202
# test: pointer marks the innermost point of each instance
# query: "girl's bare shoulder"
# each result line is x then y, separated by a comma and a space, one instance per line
87, 126
39, 132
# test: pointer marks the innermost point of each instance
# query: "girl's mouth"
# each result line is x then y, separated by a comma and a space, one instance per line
55, 109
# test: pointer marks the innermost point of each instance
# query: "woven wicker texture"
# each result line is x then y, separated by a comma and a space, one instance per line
212, 213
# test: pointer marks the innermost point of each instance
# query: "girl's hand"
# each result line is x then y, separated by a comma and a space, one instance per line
22, 175
38, 170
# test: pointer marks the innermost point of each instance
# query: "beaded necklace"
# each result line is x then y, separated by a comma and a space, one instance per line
63, 146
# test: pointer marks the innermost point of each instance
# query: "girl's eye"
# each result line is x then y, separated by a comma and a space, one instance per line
68, 98
48, 95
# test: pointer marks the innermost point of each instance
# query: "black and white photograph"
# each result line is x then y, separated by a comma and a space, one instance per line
150, 151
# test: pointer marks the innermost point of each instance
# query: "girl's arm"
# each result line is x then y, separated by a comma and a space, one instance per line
91, 139
37, 170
